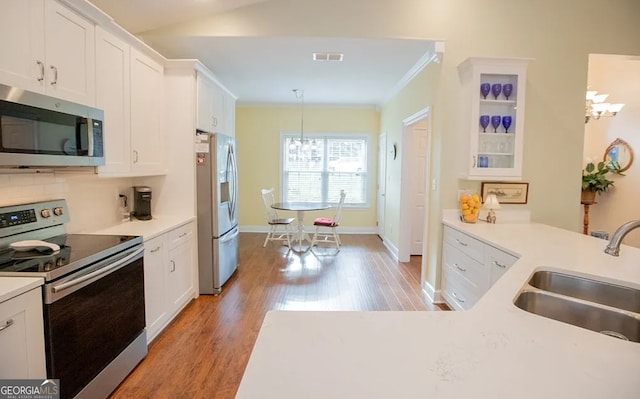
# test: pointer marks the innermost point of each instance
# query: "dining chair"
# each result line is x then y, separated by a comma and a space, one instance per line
274, 220
332, 235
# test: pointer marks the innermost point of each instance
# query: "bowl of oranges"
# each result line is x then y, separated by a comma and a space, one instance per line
469, 207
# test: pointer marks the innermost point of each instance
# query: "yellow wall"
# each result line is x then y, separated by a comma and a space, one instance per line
258, 134
620, 78
556, 82
558, 35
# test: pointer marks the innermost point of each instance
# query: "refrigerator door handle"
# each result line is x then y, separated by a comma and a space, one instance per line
232, 234
231, 167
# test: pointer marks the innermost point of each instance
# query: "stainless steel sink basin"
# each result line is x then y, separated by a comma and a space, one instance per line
601, 292
612, 322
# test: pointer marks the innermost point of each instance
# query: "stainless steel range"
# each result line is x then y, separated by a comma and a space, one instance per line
93, 295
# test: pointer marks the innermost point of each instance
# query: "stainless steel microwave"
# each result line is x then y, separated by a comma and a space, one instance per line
38, 130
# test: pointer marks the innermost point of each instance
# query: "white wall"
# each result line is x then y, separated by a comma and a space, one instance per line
93, 202
618, 76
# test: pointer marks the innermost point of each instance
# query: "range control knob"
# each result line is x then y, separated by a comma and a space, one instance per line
57, 211
45, 213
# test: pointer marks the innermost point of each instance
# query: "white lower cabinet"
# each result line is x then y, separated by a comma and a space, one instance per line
155, 257
181, 266
470, 267
22, 337
169, 269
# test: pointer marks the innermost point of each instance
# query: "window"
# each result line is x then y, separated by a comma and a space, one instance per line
324, 165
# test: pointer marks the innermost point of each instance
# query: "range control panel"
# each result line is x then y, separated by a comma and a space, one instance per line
27, 217
17, 217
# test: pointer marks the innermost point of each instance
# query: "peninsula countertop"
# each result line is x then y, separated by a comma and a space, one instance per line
494, 350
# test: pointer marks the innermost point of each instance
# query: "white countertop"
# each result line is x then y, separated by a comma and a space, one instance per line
494, 350
13, 286
148, 229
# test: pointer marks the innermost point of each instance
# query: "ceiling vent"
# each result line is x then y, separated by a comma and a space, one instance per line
328, 56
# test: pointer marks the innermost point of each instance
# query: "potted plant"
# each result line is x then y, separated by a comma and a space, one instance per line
594, 179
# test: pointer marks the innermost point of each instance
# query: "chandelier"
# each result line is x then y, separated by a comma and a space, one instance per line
301, 142
596, 108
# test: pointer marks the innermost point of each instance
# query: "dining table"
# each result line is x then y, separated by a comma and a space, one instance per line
301, 207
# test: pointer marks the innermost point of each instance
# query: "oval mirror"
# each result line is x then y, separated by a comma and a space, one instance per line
619, 151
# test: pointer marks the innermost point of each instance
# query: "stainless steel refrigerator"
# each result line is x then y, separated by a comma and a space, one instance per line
217, 196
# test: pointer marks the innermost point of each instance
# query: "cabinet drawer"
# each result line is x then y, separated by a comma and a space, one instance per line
476, 273
499, 262
470, 246
180, 235
458, 292
155, 246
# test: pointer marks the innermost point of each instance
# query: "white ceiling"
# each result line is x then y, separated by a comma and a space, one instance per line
264, 70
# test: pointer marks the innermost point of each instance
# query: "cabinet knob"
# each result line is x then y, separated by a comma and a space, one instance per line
458, 298
464, 244
7, 324
495, 262
460, 268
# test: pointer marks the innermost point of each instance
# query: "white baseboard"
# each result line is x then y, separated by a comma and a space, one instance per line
392, 248
341, 230
435, 296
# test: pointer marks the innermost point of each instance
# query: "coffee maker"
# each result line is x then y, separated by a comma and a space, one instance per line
142, 202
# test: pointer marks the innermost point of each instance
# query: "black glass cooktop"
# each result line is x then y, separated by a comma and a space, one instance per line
76, 252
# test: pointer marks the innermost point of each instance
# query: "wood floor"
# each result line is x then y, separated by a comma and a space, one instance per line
204, 351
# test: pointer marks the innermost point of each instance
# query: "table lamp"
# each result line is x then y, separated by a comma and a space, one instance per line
491, 203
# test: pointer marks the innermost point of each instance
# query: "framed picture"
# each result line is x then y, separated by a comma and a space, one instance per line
507, 193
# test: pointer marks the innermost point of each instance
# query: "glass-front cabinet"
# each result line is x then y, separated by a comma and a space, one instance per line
493, 96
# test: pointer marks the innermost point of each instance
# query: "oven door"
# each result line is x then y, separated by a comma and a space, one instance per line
91, 317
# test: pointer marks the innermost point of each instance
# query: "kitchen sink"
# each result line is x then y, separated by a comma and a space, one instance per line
599, 306
612, 322
600, 292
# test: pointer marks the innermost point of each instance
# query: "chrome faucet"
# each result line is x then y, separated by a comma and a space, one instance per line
613, 248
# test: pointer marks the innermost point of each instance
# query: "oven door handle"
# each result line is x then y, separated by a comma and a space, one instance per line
105, 270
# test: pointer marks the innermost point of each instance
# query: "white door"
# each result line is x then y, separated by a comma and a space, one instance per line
382, 176
418, 185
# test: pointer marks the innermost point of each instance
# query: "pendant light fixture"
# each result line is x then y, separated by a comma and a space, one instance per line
304, 143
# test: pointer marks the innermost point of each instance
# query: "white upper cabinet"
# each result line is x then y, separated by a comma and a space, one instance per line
494, 95
47, 48
113, 92
205, 93
22, 38
148, 141
130, 90
70, 55
216, 107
